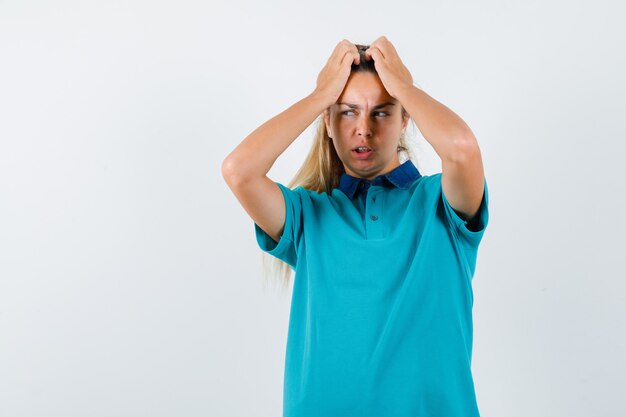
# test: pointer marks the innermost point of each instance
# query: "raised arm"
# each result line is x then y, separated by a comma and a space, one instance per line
462, 179
245, 168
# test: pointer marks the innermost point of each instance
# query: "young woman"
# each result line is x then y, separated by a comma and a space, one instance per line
381, 314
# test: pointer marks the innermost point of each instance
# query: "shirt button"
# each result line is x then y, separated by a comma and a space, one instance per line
374, 217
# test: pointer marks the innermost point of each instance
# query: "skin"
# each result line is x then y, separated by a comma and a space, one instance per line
378, 128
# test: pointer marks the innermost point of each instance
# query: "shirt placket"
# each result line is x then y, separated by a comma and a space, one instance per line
371, 195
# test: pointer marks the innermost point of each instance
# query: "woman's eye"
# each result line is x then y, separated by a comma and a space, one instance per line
378, 113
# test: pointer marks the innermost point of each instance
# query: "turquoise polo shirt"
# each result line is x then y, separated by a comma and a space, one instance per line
381, 310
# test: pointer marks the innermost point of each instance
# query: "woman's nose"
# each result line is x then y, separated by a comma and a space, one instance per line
363, 127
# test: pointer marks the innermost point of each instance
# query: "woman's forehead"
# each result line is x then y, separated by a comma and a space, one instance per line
374, 106
365, 89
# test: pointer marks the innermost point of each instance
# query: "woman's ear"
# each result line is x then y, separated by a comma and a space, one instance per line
405, 120
327, 121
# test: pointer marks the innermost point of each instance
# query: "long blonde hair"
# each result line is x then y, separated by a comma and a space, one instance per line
321, 171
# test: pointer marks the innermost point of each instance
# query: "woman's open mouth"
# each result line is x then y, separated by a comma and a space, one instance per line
362, 152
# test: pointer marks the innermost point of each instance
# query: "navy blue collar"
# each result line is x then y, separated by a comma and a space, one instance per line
401, 177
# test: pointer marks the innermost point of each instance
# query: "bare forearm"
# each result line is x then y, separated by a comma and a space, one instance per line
439, 125
256, 154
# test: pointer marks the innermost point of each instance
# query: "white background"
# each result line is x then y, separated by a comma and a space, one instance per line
130, 278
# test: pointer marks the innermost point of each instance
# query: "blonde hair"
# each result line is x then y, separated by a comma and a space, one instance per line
321, 171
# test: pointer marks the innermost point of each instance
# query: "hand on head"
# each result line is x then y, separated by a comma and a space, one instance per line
392, 72
333, 77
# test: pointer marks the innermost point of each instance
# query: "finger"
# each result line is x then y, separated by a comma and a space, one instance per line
374, 53
350, 58
336, 53
382, 40
340, 51
357, 55
377, 42
386, 47
379, 47
354, 52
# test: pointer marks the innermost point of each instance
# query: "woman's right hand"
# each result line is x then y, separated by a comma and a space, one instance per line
333, 77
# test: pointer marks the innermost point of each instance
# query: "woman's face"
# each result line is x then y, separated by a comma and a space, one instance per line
365, 115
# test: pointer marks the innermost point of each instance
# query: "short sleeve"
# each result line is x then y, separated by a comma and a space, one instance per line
471, 231
286, 248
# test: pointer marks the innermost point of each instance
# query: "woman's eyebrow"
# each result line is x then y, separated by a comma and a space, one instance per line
378, 106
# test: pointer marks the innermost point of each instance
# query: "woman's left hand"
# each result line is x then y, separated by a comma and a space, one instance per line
392, 72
